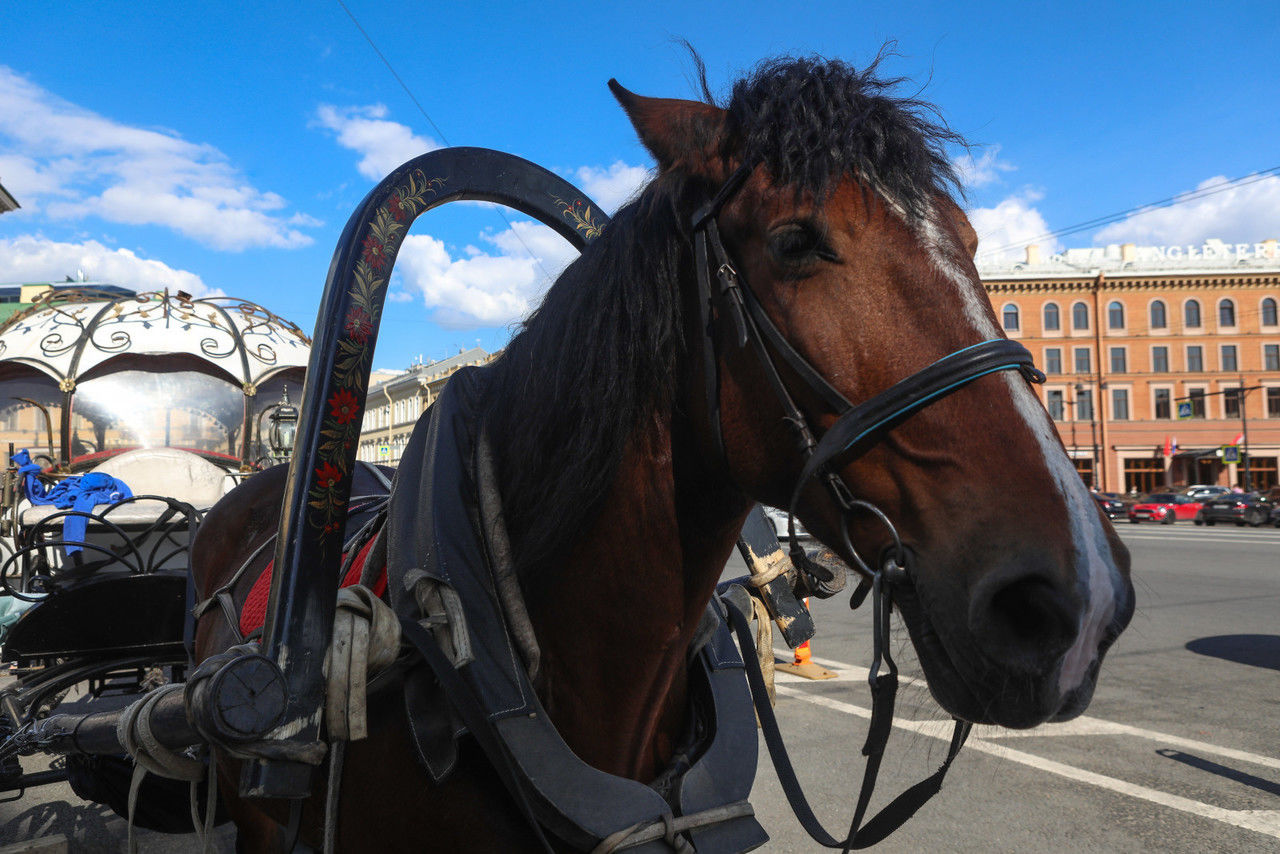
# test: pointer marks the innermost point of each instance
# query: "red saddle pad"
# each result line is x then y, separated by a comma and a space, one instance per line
254, 612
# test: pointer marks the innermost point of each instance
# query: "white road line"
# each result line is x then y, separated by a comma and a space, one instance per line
1083, 725
1260, 821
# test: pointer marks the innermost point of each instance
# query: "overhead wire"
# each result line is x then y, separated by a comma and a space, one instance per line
439, 133
1178, 199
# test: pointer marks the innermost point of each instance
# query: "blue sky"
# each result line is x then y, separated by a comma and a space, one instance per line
201, 147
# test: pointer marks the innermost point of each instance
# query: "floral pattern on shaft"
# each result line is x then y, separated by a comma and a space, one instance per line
340, 425
585, 219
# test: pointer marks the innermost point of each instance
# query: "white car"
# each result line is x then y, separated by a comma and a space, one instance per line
779, 520
1202, 491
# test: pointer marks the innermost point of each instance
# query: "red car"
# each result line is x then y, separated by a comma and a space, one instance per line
1164, 507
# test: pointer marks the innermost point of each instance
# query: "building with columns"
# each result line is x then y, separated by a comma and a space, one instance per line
1163, 362
396, 399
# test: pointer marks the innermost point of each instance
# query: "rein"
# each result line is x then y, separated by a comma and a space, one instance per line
856, 428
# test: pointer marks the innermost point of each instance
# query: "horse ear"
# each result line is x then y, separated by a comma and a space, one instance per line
672, 129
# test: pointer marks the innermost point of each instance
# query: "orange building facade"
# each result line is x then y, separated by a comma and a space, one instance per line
1146, 349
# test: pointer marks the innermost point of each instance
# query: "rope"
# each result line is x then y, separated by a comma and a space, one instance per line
134, 732
669, 827
764, 645
366, 640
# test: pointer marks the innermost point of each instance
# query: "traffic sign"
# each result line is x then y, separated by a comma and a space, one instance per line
1231, 453
1184, 409
384, 452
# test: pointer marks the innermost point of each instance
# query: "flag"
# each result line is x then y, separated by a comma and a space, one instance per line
1173, 446
1168, 447
1238, 439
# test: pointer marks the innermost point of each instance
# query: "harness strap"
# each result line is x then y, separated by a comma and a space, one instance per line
472, 713
888, 819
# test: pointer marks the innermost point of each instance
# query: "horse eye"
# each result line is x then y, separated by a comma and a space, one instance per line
798, 244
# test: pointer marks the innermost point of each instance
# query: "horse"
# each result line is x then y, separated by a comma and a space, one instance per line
632, 434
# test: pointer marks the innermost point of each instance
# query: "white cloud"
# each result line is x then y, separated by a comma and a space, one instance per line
67, 162
980, 171
383, 145
1240, 214
611, 186
483, 288
500, 281
35, 259
1009, 226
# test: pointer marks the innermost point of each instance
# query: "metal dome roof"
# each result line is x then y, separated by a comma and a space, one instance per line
76, 334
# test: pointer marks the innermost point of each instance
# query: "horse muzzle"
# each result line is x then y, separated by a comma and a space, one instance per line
998, 658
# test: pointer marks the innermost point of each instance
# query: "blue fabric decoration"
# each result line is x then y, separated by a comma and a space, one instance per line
79, 492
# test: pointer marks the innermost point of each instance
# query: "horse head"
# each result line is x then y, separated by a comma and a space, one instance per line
835, 207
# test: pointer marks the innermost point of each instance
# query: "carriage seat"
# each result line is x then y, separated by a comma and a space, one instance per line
155, 471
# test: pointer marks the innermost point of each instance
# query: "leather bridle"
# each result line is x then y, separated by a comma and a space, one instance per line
856, 428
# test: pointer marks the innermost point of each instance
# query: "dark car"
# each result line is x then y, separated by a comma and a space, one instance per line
1275, 515
1110, 504
1164, 507
1243, 508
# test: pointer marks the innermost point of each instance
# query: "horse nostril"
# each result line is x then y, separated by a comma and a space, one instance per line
1026, 623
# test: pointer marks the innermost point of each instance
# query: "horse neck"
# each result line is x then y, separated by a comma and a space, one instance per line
616, 617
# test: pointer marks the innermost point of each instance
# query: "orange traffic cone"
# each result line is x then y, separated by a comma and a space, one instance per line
803, 664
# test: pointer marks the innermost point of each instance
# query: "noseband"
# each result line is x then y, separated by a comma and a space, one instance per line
857, 427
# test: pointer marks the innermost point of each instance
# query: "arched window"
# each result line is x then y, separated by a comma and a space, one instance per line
1009, 316
1080, 316
1191, 314
1226, 313
1115, 315
1052, 323
1268, 312
1158, 319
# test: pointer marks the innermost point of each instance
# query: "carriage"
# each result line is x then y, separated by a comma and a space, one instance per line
176, 398
690, 363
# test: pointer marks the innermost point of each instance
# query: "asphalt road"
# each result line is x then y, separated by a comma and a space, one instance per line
1180, 751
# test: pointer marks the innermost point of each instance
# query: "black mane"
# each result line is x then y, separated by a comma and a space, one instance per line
602, 350
812, 122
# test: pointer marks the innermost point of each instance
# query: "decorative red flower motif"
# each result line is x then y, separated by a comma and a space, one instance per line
343, 405
375, 254
393, 205
358, 324
328, 476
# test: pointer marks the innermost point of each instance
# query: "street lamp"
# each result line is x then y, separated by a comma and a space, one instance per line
1093, 433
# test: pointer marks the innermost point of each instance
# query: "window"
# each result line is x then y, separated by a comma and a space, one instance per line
1120, 404
1084, 404
1052, 360
1268, 312
1196, 396
1195, 358
1053, 402
1226, 313
1080, 316
1082, 360
1009, 316
1231, 403
1191, 314
1228, 353
1118, 360
1163, 403
1160, 360
1052, 323
1115, 315
1273, 403
1271, 357
1158, 319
